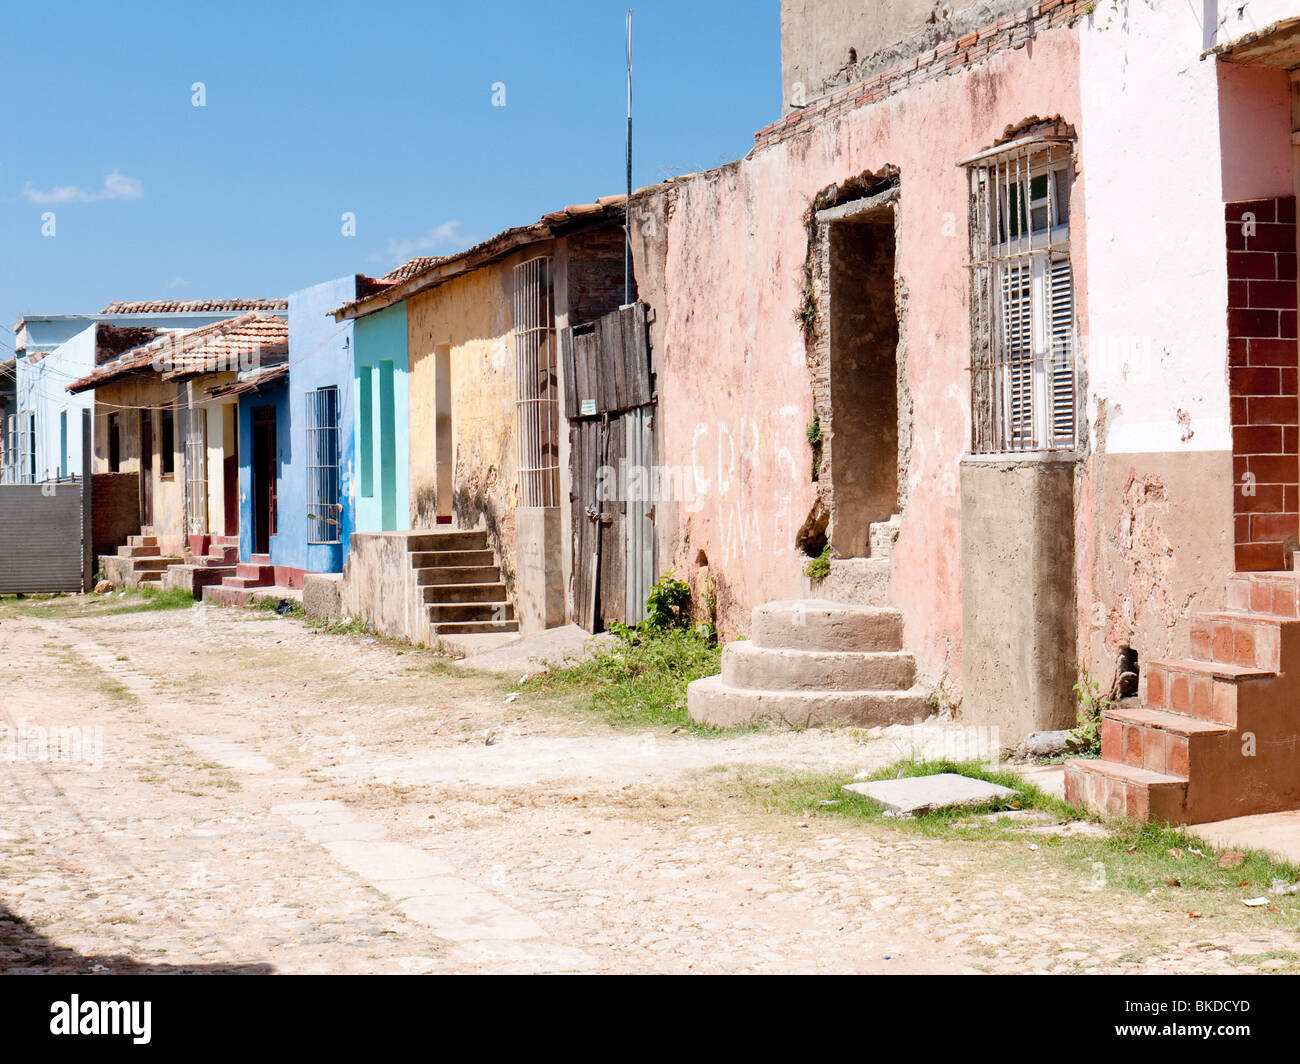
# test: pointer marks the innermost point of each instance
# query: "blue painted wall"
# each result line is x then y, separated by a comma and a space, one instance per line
274, 395
320, 356
381, 390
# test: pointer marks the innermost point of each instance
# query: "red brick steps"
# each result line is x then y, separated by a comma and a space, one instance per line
1216, 735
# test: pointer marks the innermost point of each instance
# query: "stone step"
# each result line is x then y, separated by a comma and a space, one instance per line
260, 572
711, 701
259, 559
860, 580
219, 556
751, 667
1164, 742
1201, 689
440, 612
142, 541
466, 593
1258, 640
819, 624
476, 574
446, 541
454, 628
1115, 789
138, 552
453, 559
152, 564
1265, 592
243, 582
194, 578
883, 535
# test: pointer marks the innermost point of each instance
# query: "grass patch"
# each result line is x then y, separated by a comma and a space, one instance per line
638, 679
1169, 864
285, 607
149, 599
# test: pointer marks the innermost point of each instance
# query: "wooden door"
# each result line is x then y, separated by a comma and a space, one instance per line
146, 468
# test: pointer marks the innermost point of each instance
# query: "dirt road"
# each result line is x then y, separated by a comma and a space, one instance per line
263, 798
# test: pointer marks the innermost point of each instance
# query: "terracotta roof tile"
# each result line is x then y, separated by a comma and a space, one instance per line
194, 306
235, 343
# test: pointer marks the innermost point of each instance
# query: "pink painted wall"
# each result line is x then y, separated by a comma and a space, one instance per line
735, 392
1254, 131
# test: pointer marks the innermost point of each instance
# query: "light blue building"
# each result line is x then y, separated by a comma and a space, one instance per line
297, 475
382, 420
43, 426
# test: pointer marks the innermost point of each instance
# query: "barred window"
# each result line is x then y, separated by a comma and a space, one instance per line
537, 408
323, 465
1024, 392
20, 451
194, 427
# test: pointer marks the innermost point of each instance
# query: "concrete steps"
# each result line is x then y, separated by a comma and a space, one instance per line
140, 563
1214, 736
814, 662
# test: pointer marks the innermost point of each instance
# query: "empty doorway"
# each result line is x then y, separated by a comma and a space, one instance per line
264, 463
864, 460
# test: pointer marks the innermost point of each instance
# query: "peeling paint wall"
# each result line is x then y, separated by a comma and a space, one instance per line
735, 393
471, 316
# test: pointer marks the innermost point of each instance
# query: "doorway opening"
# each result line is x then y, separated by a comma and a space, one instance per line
264, 463
863, 334
443, 439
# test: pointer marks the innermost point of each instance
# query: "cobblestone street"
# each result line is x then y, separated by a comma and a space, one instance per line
274, 800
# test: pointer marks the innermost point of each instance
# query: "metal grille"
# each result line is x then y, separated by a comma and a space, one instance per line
1023, 387
323, 465
194, 424
537, 398
22, 448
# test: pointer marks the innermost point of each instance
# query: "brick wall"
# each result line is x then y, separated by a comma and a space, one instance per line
1262, 368
950, 57
115, 505
595, 273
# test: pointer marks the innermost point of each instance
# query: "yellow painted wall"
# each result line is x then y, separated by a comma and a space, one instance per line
472, 316
125, 398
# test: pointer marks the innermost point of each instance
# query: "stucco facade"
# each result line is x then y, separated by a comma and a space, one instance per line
1122, 543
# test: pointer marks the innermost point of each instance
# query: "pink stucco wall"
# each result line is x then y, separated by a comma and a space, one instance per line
735, 391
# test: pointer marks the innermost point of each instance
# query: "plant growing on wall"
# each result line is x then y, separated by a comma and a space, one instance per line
815, 442
819, 568
669, 603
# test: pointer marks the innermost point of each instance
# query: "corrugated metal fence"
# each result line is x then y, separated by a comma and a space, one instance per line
45, 532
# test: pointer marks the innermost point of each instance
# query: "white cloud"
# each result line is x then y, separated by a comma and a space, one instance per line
445, 237
116, 186
178, 282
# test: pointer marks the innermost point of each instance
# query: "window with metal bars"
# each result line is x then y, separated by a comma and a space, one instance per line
194, 426
21, 450
1024, 393
323, 465
537, 407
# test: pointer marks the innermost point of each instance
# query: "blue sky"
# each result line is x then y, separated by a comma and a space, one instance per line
314, 109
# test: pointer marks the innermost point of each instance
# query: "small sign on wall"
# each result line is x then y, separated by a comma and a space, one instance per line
588, 407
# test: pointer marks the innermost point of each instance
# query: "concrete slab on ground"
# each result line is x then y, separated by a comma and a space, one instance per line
921, 794
1275, 833
515, 655
1050, 779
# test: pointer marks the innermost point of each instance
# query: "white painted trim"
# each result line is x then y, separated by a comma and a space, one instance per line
1166, 437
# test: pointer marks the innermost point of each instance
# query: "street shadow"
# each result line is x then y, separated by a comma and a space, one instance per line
23, 949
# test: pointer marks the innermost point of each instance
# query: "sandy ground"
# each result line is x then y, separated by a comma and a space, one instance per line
267, 799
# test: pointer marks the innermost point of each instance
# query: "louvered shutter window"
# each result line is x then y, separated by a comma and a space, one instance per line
1024, 394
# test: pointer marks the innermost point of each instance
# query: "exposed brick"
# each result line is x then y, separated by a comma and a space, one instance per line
1271, 468
1252, 265
1258, 557
1267, 527
1272, 352
1252, 323
1258, 380
1257, 439
1278, 294
1276, 410
1263, 210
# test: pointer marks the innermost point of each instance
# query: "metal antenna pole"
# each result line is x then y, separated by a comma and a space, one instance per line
627, 204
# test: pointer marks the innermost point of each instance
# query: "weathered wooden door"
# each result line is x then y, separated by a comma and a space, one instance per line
146, 467
609, 399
